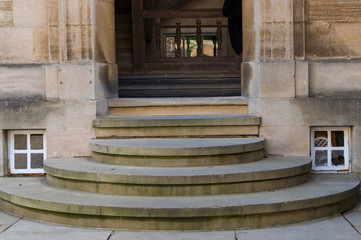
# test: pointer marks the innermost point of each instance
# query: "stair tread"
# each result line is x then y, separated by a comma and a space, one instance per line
177, 101
177, 120
176, 146
268, 168
320, 190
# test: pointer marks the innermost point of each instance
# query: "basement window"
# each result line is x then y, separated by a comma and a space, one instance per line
330, 148
27, 151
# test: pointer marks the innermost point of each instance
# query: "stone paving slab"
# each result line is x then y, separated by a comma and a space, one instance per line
32, 230
354, 217
335, 228
6, 220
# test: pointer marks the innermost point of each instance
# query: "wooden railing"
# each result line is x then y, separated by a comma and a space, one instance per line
198, 15
141, 63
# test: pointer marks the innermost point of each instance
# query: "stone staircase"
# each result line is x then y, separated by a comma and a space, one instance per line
178, 164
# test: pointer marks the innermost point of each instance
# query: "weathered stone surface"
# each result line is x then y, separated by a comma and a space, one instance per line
178, 106
287, 126
3, 163
302, 79
106, 81
286, 141
6, 16
68, 125
21, 81
264, 175
176, 146
335, 79
322, 196
30, 13
333, 29
76, 81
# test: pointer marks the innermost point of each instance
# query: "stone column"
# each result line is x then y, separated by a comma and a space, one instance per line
274, 71
57, 63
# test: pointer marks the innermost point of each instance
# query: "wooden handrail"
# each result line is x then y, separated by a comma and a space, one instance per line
183, 13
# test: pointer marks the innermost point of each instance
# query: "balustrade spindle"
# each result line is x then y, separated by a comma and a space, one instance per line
219, 37
157, 37
178, 52
199, 38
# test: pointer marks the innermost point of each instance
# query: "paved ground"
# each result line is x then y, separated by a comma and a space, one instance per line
343, 227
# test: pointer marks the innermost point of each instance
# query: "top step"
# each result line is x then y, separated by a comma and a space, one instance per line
130, 107
180, 85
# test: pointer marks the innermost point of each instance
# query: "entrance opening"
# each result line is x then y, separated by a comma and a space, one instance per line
173, 48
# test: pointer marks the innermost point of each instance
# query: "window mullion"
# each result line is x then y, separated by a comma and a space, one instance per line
28, 152
329, 148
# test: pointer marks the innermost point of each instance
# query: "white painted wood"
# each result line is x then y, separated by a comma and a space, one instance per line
12, 151
329, 148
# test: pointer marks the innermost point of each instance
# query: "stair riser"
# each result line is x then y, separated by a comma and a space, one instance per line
176, 147
177, 190
178, 110
177, 223
196, 131
152, 161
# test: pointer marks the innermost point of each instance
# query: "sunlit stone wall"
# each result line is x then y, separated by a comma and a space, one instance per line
57, 61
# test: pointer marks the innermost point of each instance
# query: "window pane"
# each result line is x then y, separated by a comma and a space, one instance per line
337, 138
21, 161
20, 142
321, 139
170, 46
209, 48
191, 47
321, 158
36, 141
37, 160
338, 158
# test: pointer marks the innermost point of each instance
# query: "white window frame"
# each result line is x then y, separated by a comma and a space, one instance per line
12, 151
329, 149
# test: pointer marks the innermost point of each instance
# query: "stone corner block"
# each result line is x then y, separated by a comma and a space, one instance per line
276, 79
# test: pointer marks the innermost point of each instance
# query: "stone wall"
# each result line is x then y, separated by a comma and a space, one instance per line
301, 70
57, 60
333, 29
333, 33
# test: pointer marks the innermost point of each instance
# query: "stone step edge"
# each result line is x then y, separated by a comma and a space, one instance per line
87, 170
177, 121
162, 147
317, 192
177, 101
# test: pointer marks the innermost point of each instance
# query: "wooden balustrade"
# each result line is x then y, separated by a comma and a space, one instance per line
180, 14
157, 63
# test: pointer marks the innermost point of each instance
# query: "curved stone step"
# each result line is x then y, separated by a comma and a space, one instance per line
323, 195
264, 175
177, 152
177, 126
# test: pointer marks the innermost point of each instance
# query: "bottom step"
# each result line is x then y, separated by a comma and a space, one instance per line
323, 195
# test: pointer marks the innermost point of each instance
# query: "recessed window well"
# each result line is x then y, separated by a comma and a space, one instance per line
27, 151
330, 148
